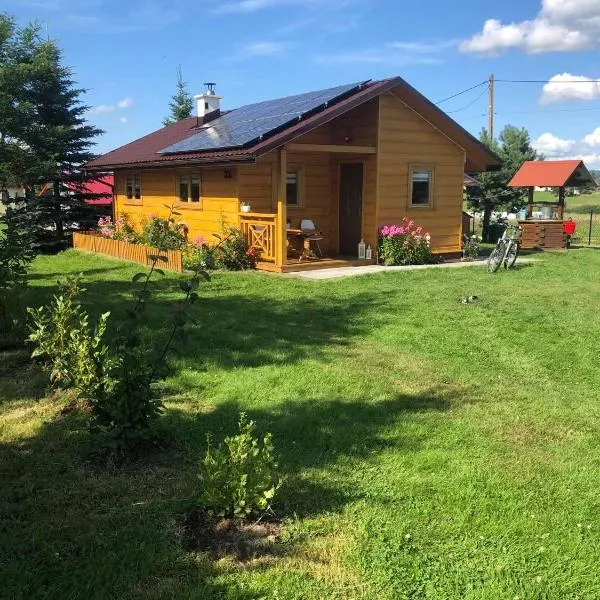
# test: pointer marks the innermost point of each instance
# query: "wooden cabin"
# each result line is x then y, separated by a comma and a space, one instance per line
350, 159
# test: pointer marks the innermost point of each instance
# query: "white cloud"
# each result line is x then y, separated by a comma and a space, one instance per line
399, 54
263, 49
560, 26
101, 109
248, 6
125, 103
555, 148
561, 88
123, 119
592, 139
550, 145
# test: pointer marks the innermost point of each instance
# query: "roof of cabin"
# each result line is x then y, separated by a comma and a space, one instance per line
551, 173
243, 134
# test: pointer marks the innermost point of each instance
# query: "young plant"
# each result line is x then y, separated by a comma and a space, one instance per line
405, 244
239, 477
471, 247
74, 355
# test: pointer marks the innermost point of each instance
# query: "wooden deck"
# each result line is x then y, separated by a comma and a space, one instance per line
294, 265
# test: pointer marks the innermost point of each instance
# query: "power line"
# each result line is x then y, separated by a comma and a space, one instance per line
450, 112
548, 81
541, 111
463, 92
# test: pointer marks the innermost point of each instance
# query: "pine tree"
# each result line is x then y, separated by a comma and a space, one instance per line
514, 148
182, 103
60, 139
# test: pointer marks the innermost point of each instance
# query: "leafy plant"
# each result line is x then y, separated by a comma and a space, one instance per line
16, 253
164, 233
127, 409
471, 246
239, 476
405, 244
73, 354
121, 229
232, 252
198, 255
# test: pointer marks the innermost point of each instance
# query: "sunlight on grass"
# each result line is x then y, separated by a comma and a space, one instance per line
432, 449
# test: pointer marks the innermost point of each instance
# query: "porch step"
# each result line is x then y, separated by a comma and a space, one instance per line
311, 265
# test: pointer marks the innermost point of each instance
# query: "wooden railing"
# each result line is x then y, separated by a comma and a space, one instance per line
134, 252
260, 232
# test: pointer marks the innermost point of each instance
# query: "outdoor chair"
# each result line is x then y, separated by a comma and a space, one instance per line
311, 234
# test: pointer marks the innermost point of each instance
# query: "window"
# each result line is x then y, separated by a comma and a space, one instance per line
421, 186
292, 189
133, 187
189, 189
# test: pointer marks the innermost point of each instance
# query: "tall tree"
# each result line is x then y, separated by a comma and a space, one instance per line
45, 138
514, 148
182, 103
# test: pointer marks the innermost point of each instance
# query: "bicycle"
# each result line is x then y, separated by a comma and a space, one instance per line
506, 250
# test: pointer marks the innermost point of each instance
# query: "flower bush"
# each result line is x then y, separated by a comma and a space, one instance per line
121, 229
405, 244
232, 252
471, 247
198, 255
171, 234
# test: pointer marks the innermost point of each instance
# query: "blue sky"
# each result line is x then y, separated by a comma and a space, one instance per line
126, 53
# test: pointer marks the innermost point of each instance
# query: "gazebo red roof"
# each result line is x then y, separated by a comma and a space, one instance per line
551, 173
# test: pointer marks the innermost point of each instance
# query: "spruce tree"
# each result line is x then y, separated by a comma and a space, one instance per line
182, 103
60, 139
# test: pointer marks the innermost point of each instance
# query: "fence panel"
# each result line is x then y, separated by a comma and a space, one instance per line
587, 232
134, 252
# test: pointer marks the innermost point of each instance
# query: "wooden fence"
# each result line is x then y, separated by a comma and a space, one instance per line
135, 252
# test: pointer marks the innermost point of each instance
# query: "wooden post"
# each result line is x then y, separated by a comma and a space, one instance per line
561, 202
281, 227
491, 108
530, 203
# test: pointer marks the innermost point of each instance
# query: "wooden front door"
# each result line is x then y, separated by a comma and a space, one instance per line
351, 191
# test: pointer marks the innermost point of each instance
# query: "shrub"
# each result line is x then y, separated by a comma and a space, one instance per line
471, 246
125, 230
73, 354
239, 476
232, 252
198, 255
405, 244
164, 233
16, 253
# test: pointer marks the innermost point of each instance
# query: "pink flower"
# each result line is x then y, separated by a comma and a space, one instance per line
419, 229
199, 241
384, 231
153, 216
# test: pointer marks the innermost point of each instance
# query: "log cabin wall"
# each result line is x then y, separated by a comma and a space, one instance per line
404, 139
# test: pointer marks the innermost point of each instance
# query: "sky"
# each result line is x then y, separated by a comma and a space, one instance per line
126, 54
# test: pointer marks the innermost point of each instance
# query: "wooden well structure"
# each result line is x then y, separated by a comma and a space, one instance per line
544, 228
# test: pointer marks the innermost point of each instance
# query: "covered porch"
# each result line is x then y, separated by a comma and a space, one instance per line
329, 186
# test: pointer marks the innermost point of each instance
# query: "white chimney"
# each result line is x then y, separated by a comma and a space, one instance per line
208, 101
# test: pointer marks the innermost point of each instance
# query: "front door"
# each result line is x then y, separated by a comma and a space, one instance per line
351, 186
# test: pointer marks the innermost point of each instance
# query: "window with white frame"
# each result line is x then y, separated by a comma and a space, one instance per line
189, 189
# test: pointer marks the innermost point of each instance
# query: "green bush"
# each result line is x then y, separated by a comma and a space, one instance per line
198, 257
471, 246
163, 233
239, 476
73, 354
232, 252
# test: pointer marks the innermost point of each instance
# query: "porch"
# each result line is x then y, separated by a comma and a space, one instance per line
331, 186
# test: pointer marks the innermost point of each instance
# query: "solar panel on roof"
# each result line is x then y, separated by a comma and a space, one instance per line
249, 123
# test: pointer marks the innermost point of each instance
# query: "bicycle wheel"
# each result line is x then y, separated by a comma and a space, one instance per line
496, 257
511, 255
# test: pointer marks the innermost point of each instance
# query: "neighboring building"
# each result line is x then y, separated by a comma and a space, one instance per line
350, 158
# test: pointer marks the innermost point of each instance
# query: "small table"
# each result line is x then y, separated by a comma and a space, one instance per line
307, 251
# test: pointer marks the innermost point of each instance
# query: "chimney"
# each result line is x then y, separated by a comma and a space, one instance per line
207, 102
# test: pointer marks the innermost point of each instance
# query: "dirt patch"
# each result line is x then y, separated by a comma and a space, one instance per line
242, 539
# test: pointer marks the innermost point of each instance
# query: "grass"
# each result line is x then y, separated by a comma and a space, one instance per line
433, 450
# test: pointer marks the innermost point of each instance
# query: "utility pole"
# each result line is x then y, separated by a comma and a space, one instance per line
491, 108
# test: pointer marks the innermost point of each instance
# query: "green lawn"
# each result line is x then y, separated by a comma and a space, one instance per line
432, 449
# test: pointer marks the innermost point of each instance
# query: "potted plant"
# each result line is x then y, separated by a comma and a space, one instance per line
245, 207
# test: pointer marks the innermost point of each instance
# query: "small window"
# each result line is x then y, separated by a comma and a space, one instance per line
189, 189
133, 187
292, 189
421, 190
